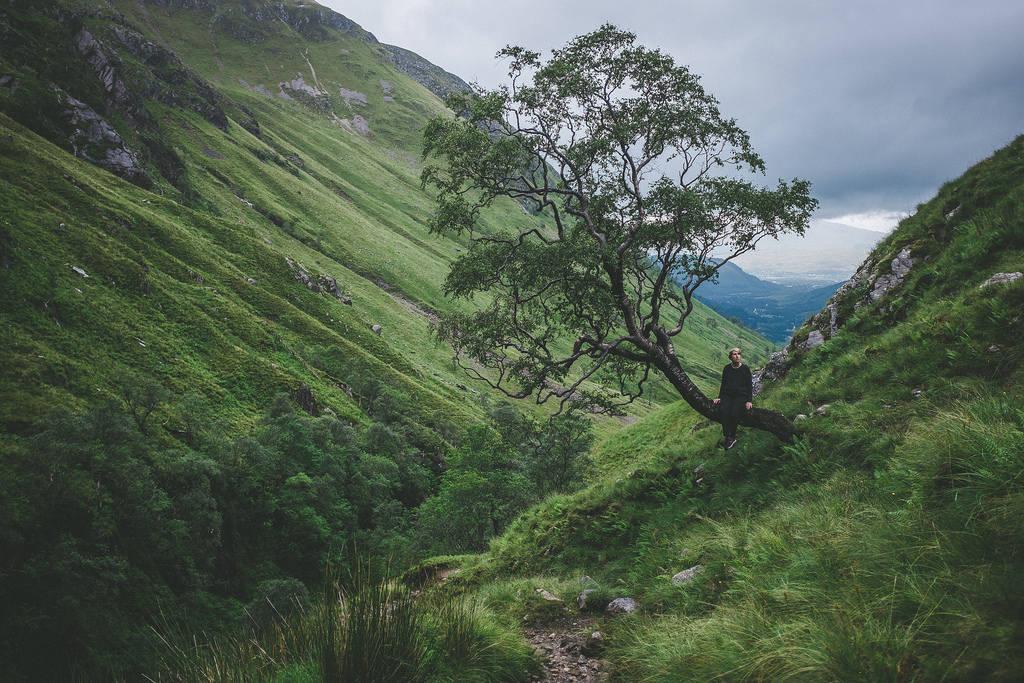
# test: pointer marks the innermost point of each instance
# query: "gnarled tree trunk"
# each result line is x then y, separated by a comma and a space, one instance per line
758, 418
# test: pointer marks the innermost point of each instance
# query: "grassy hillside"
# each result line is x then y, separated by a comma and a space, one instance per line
885, 543
191, 420
307, 188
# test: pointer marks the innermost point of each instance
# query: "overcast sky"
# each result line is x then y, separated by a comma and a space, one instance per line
877, 103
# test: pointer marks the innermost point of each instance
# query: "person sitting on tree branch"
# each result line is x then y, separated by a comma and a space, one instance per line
637, 190
734, 395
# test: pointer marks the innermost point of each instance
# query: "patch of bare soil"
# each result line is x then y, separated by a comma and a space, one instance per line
563, 645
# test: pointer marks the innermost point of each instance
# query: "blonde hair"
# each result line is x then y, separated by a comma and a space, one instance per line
733, 350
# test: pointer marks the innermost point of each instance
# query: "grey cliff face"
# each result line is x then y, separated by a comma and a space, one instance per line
95, 140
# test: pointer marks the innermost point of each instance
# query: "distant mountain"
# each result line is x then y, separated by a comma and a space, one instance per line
771, 308
828, 252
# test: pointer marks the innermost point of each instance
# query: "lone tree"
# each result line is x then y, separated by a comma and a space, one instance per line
636, 190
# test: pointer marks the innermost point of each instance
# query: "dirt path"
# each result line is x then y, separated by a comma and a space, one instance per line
562, 646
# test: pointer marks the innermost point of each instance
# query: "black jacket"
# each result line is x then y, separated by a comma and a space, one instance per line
737, 383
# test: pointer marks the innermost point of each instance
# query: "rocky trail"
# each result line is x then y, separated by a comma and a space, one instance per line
570, 649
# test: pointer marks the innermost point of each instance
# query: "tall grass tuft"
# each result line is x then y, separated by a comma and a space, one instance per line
365, 629
376, 635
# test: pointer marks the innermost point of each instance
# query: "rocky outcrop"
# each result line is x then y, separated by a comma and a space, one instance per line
622, 606
178, 86
774, 370
308, 94
687, 575
872, 282
547, 595
898, 269
357, 124
1001, 279
107, 68
92, 138
815, 338
353, 97
321, 283
171, 82
583, 601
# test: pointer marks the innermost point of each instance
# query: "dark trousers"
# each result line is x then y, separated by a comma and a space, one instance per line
730, 410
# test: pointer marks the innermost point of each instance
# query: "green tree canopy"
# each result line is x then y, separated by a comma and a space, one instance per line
638, 193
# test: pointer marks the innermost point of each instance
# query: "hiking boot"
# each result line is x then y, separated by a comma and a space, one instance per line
729, 443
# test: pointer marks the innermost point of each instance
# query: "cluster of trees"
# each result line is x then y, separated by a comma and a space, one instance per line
497, 471
139, 507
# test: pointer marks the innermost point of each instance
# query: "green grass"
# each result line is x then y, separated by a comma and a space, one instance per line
188, 286
365, 629
886, 543
344, 205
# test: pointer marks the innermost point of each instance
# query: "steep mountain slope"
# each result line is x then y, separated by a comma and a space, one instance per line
266, 163
886, 543
206, 207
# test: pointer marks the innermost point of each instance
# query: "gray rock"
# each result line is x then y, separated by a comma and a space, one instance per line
916, 393
799, 418
899, 267
774, 370
377, 329
354, 97
995, 348
814, 339
548, 595
594, 644
1001, 279
250, 280
95, 140
583, 599
699, 475
79, 271
430, 76
622, 606
105, 66
329, 285
310, 95
360, 125
823, 409
687, 575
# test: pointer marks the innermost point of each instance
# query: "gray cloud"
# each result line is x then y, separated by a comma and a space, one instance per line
877, 103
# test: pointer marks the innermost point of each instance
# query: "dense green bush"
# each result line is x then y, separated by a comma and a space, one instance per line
497, 472
108, 521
